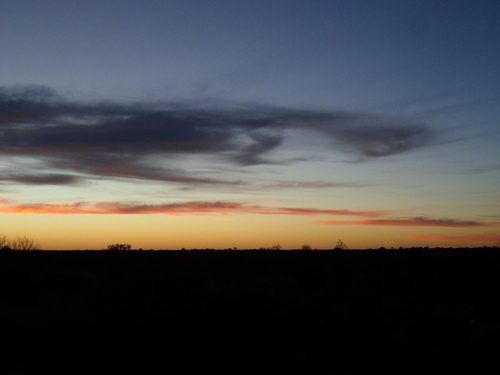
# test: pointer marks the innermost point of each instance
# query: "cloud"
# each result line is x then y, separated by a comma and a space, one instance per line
261, 143
115, 166
497, 217
316, 212
414, 222
114, 139
489, 168
193, 208
28, 104
315, 185
168, 209
42, 179
119, 208
377, 140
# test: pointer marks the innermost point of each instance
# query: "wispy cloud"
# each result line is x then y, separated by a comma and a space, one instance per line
315, 185
191, 208
41, 179
414, 222
315, 212
489, 168
113, 140
120, 208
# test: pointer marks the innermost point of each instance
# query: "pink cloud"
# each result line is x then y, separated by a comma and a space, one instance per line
192, 208
76, 208
122, 208
413, 222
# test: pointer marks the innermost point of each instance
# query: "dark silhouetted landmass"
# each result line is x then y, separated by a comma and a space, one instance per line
153, 311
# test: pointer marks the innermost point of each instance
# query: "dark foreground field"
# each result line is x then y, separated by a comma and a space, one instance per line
178, 311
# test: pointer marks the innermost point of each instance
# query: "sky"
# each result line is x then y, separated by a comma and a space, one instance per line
247, 124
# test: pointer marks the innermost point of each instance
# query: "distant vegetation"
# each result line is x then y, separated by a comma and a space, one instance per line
119, 247
18, 243
123, 247
341, 245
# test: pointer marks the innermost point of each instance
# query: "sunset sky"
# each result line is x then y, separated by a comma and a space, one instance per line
222, 124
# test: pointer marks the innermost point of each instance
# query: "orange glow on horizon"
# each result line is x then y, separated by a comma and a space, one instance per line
220, 225
486, 237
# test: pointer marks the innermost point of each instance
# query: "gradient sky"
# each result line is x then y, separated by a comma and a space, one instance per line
216, 124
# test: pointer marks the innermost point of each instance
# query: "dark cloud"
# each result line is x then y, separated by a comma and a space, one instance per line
261, 143
315, 185
116, 166
383, 140
26, 104
42, 179
110, 139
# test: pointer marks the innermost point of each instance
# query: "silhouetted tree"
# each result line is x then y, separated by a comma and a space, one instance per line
341, 245
4, 243
119, 247
275, 247
23, 243
306, 247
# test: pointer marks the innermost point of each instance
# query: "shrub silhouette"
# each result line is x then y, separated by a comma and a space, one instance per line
341, 245
18, 243
4, 243
24, 243
119, 247
306, 247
